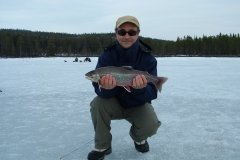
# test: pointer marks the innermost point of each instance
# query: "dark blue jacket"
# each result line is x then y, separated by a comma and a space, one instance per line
140, 58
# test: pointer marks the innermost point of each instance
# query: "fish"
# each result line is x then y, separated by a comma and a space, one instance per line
124, 76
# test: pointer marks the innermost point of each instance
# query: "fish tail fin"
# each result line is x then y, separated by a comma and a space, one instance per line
160, 82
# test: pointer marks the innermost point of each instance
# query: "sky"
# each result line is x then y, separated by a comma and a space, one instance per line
161, 19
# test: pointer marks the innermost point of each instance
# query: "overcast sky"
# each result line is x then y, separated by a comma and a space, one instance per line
161, 19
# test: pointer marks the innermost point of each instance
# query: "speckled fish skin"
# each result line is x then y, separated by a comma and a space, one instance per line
124, 76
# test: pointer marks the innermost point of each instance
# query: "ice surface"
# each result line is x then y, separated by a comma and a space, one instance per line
44, 111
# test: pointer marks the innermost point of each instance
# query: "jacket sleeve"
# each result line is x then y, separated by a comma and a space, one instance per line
149, 92
103, 61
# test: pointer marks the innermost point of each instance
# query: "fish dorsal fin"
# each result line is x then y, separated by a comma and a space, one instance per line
127, 67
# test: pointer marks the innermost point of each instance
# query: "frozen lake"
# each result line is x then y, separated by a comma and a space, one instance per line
44, 111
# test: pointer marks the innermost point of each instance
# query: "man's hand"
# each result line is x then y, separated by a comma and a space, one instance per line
139, 82
108, 82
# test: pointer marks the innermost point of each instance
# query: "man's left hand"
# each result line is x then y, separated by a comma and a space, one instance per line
139, 82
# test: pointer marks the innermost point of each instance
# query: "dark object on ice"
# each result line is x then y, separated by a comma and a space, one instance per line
93, 155
65, 61
0, 90
76, 60
87, 59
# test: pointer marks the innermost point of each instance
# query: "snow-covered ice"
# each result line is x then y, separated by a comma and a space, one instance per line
44, 111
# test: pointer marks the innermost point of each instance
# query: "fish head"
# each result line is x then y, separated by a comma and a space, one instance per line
93, 76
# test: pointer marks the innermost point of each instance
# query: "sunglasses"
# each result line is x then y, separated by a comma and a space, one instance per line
122, 32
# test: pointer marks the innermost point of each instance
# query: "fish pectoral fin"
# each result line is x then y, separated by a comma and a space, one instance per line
99, 85
127, 88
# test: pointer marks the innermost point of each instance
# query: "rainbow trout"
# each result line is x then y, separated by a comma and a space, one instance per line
124, 76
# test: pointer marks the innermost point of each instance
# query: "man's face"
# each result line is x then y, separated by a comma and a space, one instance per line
127, 40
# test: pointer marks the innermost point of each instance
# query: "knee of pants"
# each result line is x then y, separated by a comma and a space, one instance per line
151, 128
97, 103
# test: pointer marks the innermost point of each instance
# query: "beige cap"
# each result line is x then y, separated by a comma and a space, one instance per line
125, 19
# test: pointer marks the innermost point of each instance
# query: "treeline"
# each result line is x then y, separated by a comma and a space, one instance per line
24, 43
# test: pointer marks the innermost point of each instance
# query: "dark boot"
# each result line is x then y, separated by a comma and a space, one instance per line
95, 155
142, 147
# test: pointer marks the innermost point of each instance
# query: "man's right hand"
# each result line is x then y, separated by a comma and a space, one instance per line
108, 82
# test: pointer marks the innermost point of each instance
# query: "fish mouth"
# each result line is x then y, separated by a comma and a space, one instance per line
87, 77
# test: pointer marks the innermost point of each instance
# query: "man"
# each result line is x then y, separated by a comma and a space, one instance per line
87, 59
114, 102
76, 59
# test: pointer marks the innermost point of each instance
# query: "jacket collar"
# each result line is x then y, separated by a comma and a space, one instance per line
131, 50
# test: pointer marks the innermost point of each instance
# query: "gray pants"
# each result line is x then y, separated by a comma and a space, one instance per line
143, 119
